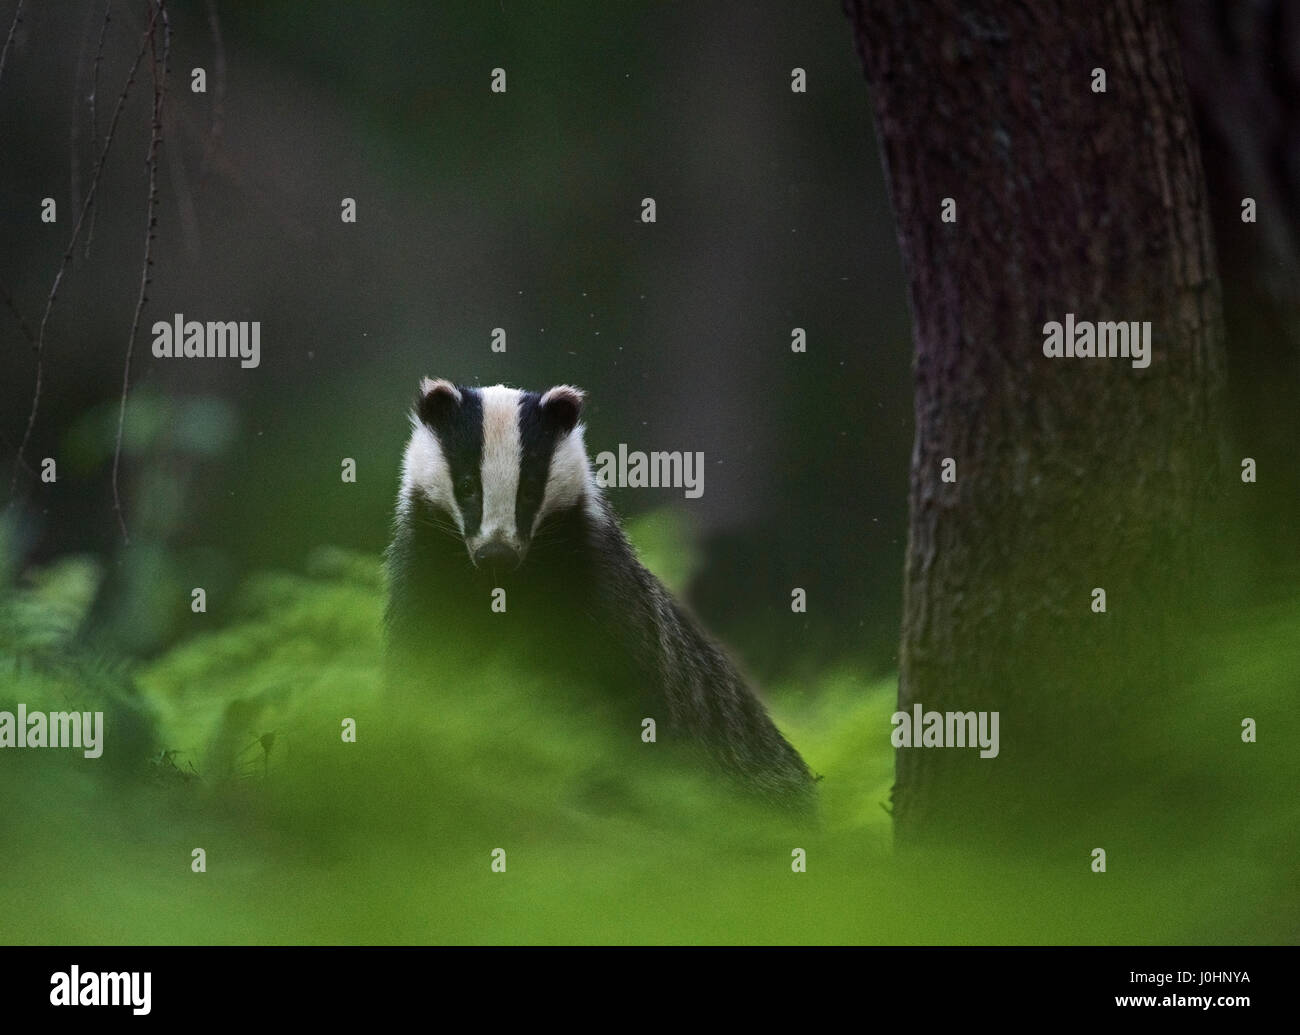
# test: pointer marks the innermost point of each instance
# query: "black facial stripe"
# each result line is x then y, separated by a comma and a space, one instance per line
460, 433
537, 438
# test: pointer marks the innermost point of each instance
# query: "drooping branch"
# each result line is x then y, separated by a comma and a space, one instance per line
94, 118
9, 39
66, 260
158, 65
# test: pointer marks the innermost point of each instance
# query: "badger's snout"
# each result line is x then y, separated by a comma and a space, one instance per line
496, 555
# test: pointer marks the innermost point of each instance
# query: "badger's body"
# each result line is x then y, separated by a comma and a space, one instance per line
497, 492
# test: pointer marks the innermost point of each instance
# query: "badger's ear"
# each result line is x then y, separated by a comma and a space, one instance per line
439, 399
562, 405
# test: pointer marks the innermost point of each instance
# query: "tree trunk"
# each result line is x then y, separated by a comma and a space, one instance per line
1243, 72
1073, 474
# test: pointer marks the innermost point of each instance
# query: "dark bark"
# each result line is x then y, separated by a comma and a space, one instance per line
1072, 473
1243, 71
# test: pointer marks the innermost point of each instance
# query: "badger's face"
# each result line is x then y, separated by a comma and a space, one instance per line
498, 461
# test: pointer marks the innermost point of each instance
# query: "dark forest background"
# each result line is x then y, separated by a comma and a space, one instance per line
521, 210
475, 211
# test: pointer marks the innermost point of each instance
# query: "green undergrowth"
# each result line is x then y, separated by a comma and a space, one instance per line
231, 742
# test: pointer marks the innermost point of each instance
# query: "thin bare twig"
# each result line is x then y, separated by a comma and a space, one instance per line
9, 40
159, 70
67, 258
74, 123
94, 117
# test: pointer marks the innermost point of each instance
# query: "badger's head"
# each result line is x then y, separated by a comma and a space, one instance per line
498, 462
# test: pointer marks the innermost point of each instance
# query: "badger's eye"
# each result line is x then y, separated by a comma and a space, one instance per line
466, 485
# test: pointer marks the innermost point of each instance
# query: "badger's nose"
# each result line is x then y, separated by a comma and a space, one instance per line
497, 555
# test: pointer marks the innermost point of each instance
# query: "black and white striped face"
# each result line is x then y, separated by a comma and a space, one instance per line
498, 461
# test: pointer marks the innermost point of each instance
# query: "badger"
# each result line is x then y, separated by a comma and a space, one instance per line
498, 502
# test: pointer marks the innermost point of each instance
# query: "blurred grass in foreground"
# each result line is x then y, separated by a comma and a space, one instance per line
309, 839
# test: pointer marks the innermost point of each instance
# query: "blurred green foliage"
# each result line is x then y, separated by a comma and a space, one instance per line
309, 839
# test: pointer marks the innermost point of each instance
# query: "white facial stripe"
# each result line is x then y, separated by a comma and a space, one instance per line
569, 476
425, 471
501, 458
